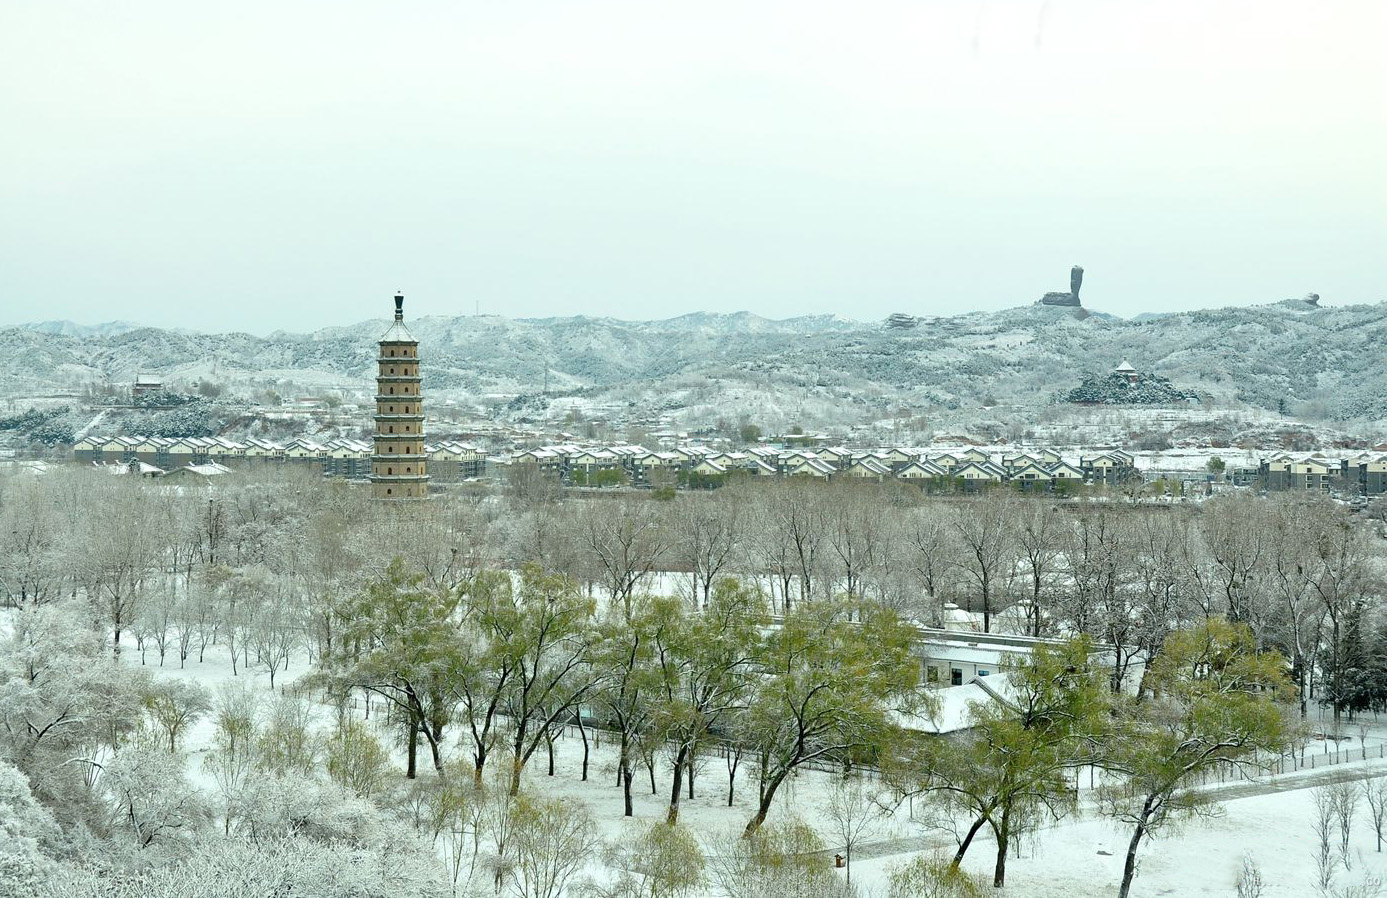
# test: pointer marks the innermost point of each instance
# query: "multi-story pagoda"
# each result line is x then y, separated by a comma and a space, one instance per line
398, 463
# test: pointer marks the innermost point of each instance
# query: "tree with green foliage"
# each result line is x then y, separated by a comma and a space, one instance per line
398, 640
552, 841
356, 760
488, 662
704, 669
1009, 771
607, 477
827, 685
664, 861
927, 877
547, 632
173, 705
1214, 701
625, 676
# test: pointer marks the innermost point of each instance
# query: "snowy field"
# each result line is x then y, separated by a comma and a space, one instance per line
1076, 858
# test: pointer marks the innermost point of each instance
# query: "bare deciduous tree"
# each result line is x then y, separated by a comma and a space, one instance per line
1039, 541
1375, 794
855, 813
707, 534
985, 547
626, 540
1322, 825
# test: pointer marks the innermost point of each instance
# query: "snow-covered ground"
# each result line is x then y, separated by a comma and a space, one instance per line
1076, 858
1083, 857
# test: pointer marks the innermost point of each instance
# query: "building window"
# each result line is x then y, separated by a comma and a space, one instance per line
982, 673
389, 471
392, 428
392, 390
387, 491
392, 370
956, 677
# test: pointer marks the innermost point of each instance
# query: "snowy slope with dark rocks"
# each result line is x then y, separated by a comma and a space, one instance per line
1326, 362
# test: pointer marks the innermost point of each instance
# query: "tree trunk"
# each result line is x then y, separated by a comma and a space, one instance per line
1035, 605
583, 732
733, 762
479, 763
763, 807
625, 774
549, 744
411, 766
1003, 833
967, 840
677, 774
1129, 867
435, 749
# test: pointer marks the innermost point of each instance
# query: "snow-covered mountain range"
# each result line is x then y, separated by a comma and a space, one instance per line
1328, 363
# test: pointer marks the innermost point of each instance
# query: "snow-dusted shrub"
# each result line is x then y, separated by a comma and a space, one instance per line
933, 877
265, 868
28, 835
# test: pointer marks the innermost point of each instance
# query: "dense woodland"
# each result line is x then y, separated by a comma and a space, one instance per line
423, 659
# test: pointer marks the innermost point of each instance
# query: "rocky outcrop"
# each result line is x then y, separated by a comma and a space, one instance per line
1076, 280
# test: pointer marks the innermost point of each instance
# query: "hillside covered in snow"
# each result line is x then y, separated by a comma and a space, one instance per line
1325, 363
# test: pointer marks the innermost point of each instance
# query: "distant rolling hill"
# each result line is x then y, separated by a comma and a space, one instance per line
1330, 360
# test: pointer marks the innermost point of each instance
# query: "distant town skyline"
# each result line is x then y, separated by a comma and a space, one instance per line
289, 166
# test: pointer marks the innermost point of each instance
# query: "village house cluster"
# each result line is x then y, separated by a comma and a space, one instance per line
451, 461
1363, 475
448, 461
968, 469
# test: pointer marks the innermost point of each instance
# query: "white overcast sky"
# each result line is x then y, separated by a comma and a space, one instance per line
261, 166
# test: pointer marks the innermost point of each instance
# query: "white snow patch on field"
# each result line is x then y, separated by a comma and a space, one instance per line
1079, 857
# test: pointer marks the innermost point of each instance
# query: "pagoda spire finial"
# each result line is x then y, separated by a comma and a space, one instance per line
399, 306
